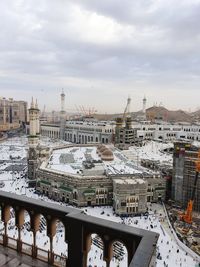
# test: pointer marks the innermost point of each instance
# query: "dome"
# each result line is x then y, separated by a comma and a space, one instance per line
107, 155
100, 149
103, 148
99, 146
107, 152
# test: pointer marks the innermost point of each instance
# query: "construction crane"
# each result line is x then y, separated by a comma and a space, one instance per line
87, 112
127, 109
187, 216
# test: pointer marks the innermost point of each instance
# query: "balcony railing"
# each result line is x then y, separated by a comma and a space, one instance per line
140, 244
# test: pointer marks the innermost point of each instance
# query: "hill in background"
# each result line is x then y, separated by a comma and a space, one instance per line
157, 113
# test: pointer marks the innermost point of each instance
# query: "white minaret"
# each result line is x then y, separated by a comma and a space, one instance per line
62, 116
37, 122
33, 140
32, 119
62, 101
144, 105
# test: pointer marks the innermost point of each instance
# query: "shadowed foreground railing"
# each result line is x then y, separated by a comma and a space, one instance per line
140, 244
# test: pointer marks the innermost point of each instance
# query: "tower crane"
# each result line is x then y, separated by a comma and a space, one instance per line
127, 109
187, 216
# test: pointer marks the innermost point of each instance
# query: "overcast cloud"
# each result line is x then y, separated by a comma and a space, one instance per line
101, 51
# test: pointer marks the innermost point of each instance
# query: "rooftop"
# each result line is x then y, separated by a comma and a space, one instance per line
85, 161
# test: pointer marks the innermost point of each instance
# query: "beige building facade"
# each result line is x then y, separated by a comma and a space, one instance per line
128, 194
12, 114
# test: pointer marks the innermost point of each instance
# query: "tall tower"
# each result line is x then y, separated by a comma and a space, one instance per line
33, 140
127, 109
37, 118
62, 116
144, 106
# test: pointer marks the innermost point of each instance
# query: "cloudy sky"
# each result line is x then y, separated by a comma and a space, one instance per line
100, 52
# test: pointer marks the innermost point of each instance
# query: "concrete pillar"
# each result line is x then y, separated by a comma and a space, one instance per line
19, 241
87, 242
34, 247
75, 244
107, 251
5, 235
131, 251
35, 224
5, 217
19, 216
50, 252
51, 231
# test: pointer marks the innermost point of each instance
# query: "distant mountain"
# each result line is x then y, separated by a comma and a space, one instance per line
161, 113
152, 113
196, 115
156, 113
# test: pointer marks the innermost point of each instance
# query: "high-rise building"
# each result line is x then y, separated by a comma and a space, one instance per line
185, 155
178, 170
189, 179
13, 114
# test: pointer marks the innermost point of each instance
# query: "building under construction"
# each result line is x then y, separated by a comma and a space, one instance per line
184, 158
125, 135
189, 178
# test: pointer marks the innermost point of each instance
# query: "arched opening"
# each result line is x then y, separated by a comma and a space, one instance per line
26, 234
12, 230
42, 240
67, 199
89, 202
120, 255
60, 248
95, 254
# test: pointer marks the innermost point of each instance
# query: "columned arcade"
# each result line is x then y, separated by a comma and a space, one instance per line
140, 244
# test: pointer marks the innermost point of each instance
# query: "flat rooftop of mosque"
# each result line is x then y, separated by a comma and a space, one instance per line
85, 161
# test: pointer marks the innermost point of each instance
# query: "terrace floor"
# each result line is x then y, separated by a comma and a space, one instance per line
11, 258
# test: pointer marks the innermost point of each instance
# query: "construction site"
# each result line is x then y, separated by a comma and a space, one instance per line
186, 193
